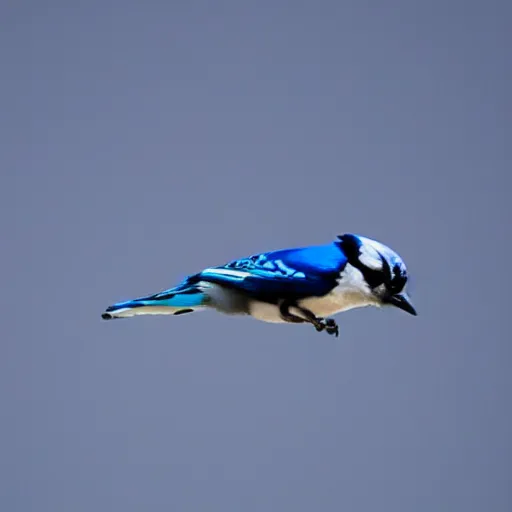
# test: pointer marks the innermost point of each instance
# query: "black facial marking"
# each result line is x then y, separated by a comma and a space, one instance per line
398, 280
183, 311
394, 279
351, 246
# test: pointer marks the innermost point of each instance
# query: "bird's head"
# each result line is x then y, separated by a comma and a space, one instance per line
382, 269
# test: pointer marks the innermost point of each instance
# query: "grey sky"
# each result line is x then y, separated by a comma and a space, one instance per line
142, 141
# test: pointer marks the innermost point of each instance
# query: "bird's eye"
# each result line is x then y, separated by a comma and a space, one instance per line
397, 284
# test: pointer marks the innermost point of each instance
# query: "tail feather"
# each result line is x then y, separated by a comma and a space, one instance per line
176, 301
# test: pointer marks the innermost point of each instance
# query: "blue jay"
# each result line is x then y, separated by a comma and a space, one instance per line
303, 285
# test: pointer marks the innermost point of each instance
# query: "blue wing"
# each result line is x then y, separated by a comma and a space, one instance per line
286, 274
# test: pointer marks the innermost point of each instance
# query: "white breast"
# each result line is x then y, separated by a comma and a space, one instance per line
336, 301
265, 312
352, 292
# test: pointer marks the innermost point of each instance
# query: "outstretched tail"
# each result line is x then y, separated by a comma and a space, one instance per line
185, 298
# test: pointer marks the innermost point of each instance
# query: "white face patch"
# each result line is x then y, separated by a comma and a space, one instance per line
371, 247
370, 257
351, 292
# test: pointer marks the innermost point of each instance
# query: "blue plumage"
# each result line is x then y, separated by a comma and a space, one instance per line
290, 285
289, 273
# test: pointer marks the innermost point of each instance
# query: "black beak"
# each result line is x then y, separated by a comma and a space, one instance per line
403, 302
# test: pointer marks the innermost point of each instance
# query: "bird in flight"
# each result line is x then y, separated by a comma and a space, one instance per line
304, 285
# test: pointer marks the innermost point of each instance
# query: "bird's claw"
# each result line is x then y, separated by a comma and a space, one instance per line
332, 327
320, 325
329, 325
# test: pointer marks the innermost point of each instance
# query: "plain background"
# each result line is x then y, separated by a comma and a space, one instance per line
143, 141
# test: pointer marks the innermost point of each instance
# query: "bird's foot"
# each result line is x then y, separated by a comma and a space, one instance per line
328, 325
332, 327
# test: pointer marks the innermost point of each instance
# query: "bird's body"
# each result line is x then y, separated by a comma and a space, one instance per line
292, 285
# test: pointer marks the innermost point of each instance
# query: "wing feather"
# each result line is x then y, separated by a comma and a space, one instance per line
286, 274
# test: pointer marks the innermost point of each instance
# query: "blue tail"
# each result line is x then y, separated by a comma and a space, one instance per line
185, 298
